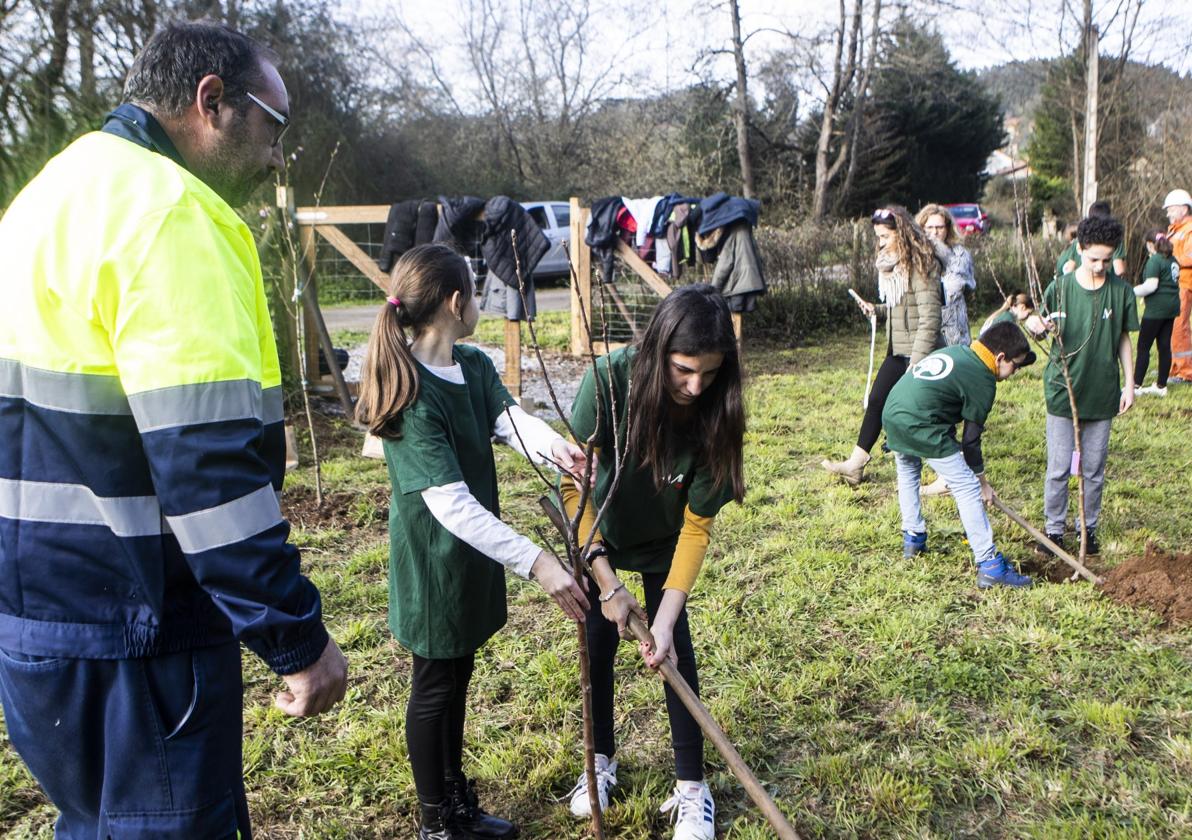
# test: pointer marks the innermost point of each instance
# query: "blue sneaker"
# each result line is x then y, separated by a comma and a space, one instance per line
997, 572
913, 544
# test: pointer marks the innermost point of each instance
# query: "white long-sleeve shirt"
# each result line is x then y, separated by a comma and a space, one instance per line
457, 510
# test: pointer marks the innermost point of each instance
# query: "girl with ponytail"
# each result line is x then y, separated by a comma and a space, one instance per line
437, 404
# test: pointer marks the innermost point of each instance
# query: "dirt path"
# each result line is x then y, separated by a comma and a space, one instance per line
361, 317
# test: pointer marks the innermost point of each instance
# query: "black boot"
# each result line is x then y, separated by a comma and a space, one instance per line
468, 818
436, 822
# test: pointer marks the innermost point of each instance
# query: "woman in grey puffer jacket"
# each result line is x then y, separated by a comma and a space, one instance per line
910, 292
958, 277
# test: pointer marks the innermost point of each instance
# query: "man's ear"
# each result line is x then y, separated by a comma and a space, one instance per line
209, 98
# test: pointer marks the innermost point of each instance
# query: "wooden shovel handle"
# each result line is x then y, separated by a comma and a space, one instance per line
1076, 565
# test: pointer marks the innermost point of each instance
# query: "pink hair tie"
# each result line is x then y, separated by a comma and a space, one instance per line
1159, 237
393, 300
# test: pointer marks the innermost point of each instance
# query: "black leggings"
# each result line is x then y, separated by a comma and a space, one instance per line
687, 740
892, 369
1152, 329
435, 722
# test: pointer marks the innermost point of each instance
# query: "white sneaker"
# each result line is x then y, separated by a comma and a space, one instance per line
694, 811
1139, 391
1156, 390
606, 778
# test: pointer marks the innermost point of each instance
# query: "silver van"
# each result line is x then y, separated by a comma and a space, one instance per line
554, 217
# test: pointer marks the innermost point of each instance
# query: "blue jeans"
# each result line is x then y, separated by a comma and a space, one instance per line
134, 749
966, 490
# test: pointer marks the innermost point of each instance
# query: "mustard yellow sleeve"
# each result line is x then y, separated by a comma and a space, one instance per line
690, 551
587, 522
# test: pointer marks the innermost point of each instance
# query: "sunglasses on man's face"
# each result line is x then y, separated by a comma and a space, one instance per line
283, 122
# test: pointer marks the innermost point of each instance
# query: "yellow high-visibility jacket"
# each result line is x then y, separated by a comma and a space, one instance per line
141, 413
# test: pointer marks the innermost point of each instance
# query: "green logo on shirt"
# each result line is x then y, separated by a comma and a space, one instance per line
935, 366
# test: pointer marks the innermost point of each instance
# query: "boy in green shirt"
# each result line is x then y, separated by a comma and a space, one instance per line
1092, 312
1069, 259
920, 419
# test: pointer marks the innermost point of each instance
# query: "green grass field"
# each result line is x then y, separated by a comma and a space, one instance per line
875, 697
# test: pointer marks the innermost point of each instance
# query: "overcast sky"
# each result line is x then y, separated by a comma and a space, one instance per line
659, 39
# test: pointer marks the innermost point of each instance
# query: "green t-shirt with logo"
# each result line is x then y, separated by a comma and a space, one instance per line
642, 523
924, 406
1072, 252
1164, 302
446, 599
1091, 324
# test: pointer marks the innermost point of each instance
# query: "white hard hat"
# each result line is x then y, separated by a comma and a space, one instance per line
1177, 197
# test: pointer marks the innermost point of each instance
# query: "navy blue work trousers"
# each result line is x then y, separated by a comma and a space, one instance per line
132, 749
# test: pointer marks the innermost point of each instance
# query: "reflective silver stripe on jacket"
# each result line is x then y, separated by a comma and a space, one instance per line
77, 393
206, 402
75, 504
228, 523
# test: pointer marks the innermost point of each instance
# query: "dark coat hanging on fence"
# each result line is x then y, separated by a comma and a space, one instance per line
399, 232
723, 209
602, 233
502, 217
680, 236
459, 225
738, 274
428, 218
502, 296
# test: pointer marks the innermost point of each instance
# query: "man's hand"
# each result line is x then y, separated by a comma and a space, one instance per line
558, 583
573, 460
318, 688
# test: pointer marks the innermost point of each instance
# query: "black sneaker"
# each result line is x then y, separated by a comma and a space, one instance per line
468, 819
1042, 549
1094, 547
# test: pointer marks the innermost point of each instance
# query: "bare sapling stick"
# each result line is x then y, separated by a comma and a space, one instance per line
1018, 519
569, 540
765, 803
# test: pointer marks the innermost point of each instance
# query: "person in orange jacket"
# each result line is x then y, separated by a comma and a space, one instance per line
1178, 205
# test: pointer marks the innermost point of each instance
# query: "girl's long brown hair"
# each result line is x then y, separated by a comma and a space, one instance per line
691, 320
911, 248
420, 281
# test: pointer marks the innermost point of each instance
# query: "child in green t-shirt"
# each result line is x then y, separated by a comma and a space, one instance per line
672, 405
1092, 312
437, 404
1069, 259
1160, 287
920, 418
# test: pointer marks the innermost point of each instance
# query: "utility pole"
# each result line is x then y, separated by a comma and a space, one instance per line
1092, 73
742, 105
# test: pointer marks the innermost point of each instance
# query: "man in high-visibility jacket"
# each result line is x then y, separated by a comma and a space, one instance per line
140, 534
1178, 205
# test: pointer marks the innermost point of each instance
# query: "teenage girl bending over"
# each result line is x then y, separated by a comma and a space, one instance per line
436, 404
680, 421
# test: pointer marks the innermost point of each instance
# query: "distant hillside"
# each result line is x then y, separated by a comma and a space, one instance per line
1017, 84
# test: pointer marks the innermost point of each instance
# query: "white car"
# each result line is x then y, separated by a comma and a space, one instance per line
554, 217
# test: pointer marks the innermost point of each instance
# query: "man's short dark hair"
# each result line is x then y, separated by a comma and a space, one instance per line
1100, 210
1095, 231
1006, 337
165, 74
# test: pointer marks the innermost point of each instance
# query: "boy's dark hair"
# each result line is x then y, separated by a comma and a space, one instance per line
1100, 210
1008, 339
1098, 231
165, 74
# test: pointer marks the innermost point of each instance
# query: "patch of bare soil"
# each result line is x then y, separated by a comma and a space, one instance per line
1158, 580
343, 511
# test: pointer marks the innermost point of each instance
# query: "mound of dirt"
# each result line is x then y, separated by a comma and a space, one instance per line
1157, 580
